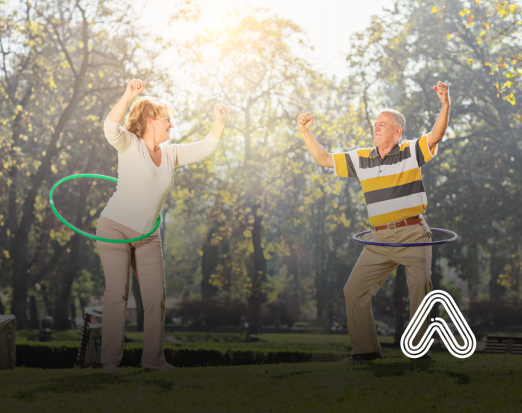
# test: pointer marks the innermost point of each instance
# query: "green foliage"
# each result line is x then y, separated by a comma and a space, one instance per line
62, 68
57, 355
475, 29
58, 336
47, 355
259, 221
473, 186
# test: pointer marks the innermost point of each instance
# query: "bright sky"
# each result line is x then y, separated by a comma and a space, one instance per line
328, 23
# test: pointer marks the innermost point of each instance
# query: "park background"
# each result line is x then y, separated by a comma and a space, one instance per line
258, 233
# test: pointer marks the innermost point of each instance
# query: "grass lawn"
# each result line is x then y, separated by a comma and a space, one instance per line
446, 384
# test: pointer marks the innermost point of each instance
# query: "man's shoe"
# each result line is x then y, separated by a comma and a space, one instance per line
162, 367
365, 356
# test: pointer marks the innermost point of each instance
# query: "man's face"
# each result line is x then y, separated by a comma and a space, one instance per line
385, 133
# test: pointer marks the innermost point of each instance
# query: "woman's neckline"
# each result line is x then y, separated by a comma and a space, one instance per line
150, 156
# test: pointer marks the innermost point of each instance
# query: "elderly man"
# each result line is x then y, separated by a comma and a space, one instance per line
392, 184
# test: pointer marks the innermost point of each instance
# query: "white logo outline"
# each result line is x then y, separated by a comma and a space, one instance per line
440, 326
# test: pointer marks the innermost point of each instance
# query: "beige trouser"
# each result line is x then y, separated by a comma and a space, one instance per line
371, 270
146, 259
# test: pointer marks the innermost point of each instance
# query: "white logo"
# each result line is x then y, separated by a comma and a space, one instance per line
438, 325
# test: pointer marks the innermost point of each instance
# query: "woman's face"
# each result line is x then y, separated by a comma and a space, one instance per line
162, 128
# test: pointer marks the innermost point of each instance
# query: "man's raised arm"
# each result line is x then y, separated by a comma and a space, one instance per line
439, 129
321, 156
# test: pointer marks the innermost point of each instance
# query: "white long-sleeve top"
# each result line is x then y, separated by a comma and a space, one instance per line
142, 186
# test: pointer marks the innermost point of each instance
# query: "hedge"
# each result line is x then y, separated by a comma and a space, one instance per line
49, 356
46, 355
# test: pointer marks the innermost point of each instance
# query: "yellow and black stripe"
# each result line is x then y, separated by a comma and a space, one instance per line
392, 185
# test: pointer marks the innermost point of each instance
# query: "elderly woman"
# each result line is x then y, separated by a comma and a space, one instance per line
145, 176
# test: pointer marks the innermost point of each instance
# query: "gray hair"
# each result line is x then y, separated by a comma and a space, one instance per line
398, 118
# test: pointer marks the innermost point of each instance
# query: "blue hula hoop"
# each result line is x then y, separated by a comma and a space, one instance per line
420, 244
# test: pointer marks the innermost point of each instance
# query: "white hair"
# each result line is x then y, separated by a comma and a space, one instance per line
398, 118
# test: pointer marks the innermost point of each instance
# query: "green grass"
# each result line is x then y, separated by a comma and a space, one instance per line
289, 341
23, 336
294, 342
478, 384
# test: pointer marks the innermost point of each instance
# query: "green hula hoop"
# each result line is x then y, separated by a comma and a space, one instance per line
86, 234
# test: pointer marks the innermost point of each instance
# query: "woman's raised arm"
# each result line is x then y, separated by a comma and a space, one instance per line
134, 88
184, 154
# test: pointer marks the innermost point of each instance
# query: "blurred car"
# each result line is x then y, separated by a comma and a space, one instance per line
300, 326
384, 329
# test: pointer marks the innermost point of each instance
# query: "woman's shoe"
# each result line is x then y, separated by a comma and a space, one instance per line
110, 368
162, 367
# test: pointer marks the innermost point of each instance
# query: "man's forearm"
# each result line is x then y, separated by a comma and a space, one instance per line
321, 156
439, 129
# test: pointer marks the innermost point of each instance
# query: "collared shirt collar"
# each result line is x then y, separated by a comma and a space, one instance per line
375, 153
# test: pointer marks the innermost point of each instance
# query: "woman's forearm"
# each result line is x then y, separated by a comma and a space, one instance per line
118, 111
218, 128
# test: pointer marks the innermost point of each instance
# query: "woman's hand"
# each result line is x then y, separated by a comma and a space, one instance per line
221, 112
134, 88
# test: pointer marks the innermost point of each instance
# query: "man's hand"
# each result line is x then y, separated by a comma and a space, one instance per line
442, 90
323, 158
304, 121
439, 129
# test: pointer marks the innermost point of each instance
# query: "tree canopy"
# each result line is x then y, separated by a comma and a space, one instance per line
259, 222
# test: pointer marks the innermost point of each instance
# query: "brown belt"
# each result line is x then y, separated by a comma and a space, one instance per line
401, 223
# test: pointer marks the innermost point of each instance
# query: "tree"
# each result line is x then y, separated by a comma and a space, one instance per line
251, 67
63, 63
480, 27
473, 186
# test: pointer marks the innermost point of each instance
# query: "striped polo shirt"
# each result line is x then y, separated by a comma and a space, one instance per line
392, 186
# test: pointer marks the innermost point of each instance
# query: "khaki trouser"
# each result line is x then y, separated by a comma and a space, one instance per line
371, 270
146, 259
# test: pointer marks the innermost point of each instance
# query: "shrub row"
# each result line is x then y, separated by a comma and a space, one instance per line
48, 356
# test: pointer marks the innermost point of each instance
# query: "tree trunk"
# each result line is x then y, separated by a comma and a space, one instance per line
47, 302
258, 275
73, 310
139, 304
292, 305
20, 234
398, 302
320, 282
473, 270
83, 304
20, 289
63, 304
2, 311
33, 313
63, 300
497, 261
209, 261
258, 266
18, 244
